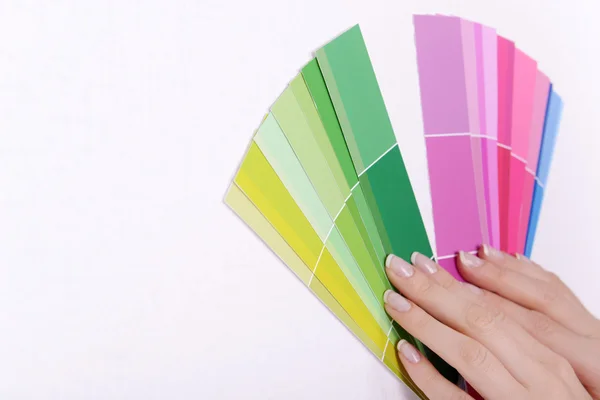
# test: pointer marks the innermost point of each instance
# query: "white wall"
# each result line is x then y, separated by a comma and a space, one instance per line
122, 273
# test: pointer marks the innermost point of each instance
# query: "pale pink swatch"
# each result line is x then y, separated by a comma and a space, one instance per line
475, 106
541, 93
522, 108
487, 84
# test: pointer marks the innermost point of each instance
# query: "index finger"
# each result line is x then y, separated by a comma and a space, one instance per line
476, 363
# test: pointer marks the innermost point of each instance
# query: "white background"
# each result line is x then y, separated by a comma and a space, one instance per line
122, 273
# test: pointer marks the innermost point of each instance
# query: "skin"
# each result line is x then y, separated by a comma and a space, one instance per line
515, 331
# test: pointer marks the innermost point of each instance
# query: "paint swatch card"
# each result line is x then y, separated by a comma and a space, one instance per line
506, 66
524, 77
448, 100
540, 105
549, 136
486, 42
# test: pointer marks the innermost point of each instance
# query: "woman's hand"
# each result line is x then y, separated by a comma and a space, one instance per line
526, 336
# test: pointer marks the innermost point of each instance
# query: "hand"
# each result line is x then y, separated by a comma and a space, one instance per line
519, 334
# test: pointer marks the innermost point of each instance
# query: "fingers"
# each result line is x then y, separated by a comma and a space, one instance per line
528, 343
497, 337
426, 377
547, 297
582, 353
524, 265
547, 333
540, 326
444, 278
481, 368
488, 326
518, 263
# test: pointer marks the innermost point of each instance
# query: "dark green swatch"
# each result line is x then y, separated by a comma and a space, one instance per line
392, 195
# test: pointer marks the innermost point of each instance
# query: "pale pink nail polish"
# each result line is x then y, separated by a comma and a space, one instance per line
408, 351
388, 260
470, 260
399, 266
425, 263
396, 301
491, 253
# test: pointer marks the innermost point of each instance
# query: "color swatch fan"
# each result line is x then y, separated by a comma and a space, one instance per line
323, 182
490, 121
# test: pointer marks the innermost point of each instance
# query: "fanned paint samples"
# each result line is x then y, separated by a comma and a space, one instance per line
324, 185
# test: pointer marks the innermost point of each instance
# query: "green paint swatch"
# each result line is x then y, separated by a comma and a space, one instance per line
353, 87
291, 119
399, 213
320, 95
319, 133
274, 145
360, 108
277, 151
298, 117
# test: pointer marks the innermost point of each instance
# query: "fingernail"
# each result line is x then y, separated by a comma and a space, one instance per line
470, 260
521, 257
408, 351
473, 288
399, 266
492, 253
424, 262
396, 301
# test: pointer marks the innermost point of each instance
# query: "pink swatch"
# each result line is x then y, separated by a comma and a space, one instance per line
522, 107
506, 57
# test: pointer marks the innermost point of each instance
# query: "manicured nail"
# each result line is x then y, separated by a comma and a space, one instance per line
425, 263
408, 351
521, 257
470, 260
473, 288
388, 260
396, 301
399, 266
492, 253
